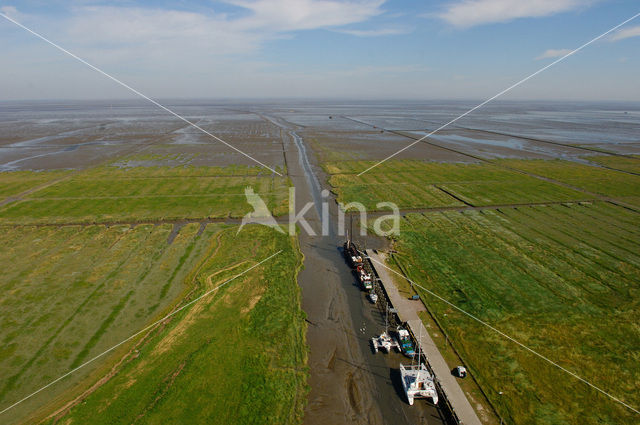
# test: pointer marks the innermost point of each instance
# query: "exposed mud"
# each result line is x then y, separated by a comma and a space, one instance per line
349, 384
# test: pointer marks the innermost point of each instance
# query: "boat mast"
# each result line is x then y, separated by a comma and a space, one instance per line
419, 354
350, 235
386, 320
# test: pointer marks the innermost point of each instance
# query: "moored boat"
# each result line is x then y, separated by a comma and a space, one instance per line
365, 278
418, 382
373, 297
405, 343
383, 342
352, 254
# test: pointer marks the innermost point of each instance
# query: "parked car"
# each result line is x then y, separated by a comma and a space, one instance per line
460, 371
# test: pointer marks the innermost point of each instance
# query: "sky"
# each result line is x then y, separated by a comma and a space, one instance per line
319, 49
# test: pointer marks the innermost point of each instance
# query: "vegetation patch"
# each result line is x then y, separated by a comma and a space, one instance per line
626, 163
236, 356
561, 279
13, 183
595, 179
142, 194
71, 292
155, 165
417, 184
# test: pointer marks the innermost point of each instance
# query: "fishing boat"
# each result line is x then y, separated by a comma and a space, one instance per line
356, 261
351, 253
418, 382
350, 249
366, 280
405, 343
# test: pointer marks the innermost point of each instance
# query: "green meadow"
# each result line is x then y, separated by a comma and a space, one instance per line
417, 184
623, 186
626, 163
561, 279
236, 356
72, 291
141, 194
16, 182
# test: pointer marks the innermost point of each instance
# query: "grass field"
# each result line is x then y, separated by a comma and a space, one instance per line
140, 194
72, 292
595, 179
562, 279
238, 356
417, 184
16, 182
629, 163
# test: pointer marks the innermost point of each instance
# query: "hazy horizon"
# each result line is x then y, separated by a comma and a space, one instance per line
257, 100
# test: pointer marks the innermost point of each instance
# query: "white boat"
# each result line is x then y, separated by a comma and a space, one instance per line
373, 297
383, 342
418, 382
365, 278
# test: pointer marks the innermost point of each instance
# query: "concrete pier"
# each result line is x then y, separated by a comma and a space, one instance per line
408, 312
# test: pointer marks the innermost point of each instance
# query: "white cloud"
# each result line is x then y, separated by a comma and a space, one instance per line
12, 13
117, 34
8, 10
468, 13
626, 33
376, 32
148, 32
292, 15
554, 53
115, 28
165, 52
